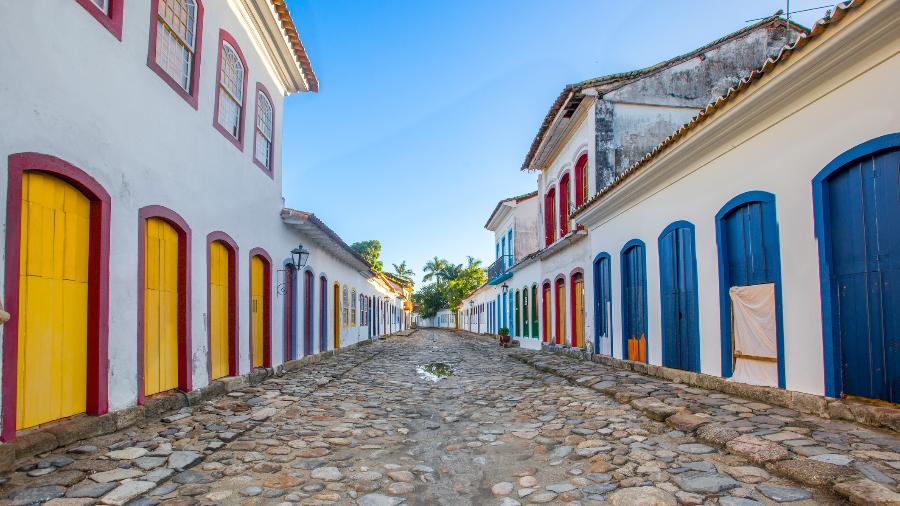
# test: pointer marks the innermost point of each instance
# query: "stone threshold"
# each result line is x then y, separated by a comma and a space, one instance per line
840, 480
53, 435
882, 417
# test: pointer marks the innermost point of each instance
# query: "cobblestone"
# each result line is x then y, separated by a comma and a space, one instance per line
363, 428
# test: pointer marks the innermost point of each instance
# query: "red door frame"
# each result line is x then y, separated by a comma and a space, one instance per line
267, 305
547, 289
323, 313
581, 180
184, 294
288, 330
559, 312
98, 281
576, 273
549, 217
308, 291
232, 247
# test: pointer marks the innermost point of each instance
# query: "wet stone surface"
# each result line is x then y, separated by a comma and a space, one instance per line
363, 427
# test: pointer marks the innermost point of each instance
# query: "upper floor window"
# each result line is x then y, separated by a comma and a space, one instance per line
230, 90
107, 12
581, 180
262, 152
175, 44
550, 217
564, 205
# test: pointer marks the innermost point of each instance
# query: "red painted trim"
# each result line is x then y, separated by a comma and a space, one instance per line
581, 179
192, 96
323, 313
549, 216
238, 141
564, 205
233, 367
112, 21
98, 281
578, 271
287, 333
267, 306
184, 294
309, 289
546, 295
270, 169
558, 309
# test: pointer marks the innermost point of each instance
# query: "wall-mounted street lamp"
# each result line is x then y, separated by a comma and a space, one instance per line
505, 288
299, 256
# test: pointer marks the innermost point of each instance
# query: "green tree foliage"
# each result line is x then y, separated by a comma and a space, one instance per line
430, 299
370, 251
452, 283
402, 271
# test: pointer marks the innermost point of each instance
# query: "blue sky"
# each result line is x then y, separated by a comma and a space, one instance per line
427, 108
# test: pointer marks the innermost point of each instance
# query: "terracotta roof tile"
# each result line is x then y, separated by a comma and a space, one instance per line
290, 29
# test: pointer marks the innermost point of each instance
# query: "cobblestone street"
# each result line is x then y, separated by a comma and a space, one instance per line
365, 427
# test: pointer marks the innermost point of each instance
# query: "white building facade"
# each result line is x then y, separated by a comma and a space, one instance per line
145, 238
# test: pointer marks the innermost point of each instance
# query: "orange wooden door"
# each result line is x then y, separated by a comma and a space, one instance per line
53, 294
160, 307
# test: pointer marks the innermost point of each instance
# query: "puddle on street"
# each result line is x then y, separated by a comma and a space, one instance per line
435, 371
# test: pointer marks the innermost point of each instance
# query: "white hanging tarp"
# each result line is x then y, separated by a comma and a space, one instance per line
754, 335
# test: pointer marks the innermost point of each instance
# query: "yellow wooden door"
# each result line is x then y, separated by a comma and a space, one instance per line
160, 307
337, 316
579, 312
561, 313
256, 309
219, 294
53, 295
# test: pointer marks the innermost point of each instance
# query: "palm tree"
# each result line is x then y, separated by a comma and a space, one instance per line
452, 271
435, 269
403, 271
472, 262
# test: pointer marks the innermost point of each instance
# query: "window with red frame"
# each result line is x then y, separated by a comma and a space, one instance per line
264, 129
564, 205
581, 180
176, 41
231, 90
549, 215
107, 12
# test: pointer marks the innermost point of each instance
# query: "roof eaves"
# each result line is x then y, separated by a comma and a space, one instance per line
785, 53
312, 218
290, 29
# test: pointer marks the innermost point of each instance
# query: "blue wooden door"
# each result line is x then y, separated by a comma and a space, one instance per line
678, 293
602, 305
863, 218
634, 301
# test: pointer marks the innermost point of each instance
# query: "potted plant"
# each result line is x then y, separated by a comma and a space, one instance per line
504, 335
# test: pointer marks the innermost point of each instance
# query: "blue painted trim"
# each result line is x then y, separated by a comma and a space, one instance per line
628, 245
834, 383
501, 278
771, 237
676, 225
596, 267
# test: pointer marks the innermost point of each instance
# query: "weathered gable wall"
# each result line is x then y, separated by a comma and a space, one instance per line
635, 118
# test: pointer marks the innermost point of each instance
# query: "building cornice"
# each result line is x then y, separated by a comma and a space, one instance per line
756, 104
278, 35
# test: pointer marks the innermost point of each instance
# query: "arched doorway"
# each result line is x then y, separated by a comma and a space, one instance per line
260, 309
548, 315
308, 314
526, 324
749, 259
57, 271
222, 301
164, 293
634, 301
602, 305
337, 315
534, 313
857, 205
560, 312
290, 311
323, 314
577, 289
678, 297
